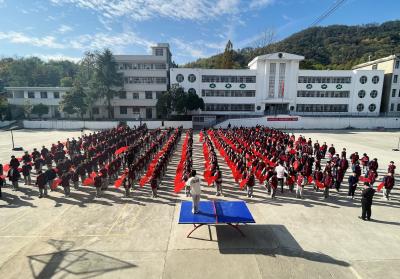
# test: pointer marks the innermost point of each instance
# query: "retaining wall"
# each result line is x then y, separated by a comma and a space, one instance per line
97, 125
310, 123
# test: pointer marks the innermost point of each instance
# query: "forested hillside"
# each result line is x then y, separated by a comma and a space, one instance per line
331, 47
33, 71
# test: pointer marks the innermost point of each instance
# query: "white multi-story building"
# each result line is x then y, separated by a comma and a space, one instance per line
145, 78
275, 84
391, 89
30, 96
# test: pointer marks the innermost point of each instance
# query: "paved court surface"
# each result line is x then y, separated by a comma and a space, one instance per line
114, 237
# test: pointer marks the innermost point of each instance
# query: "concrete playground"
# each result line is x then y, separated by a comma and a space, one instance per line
115, 237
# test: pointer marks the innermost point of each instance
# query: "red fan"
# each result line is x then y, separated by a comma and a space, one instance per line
319, 184
6, 167
309, 179
88, 181
380, 186
55, 183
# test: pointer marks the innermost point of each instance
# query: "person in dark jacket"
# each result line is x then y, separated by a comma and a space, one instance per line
14, 163
50, 176
65, 177
26, 172
353, 180
366, 202
2, 182
98, 183
388, 183
13, 176
41, 182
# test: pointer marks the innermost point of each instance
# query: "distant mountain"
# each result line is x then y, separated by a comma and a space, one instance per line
331, 47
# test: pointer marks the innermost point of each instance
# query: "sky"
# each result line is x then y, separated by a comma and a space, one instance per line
65, 29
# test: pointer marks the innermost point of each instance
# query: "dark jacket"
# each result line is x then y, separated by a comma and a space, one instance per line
367, 195
352, 180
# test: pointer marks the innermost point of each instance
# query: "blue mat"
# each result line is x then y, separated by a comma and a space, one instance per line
216, 212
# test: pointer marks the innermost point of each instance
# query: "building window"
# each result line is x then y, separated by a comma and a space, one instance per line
282, 70
373, 94
228, 79
192, 78
395, 79
392, 107
179, 78
123, 110
135, 95
43, 95
135, 110
31, 95
56, 95
271, 80
374, 66
361, 94
398, 107
228, 93
394, 92
375, 79
158, 94
192, 90
229, 107
322, 108
122, 95
323, 94
149, 95
397, 64
96, 111
372, 107
319, 79
363, 79
360, 107
159, 52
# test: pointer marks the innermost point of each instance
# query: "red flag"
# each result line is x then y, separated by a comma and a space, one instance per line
243, 183
121, 150
380, 186
6, 167
309, 179
55, 183
88, 181
93, 175
119, 181
319, 184
364, 179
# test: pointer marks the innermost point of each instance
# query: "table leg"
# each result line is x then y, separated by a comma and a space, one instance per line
236, 226
195, 228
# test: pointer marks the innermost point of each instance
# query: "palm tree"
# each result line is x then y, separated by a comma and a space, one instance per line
108, 80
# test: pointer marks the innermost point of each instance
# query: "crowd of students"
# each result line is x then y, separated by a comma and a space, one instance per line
96, 159
125, 156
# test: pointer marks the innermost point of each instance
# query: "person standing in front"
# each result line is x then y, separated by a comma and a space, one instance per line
366, 202
280, 174
195, 191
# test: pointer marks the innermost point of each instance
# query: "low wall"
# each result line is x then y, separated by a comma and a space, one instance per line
310, 123
5, 123
97, 125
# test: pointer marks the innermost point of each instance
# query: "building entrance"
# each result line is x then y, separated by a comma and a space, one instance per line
271, 109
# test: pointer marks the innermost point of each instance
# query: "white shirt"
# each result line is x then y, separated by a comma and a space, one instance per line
194, 183
280, 171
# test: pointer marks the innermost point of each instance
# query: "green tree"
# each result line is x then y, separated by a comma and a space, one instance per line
27, 108
227, 58
67, 82
194, 102
3, 102
75, 101
40, 109
164, 105
108, 80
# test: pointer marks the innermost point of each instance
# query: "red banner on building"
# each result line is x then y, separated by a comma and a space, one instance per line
282, 118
